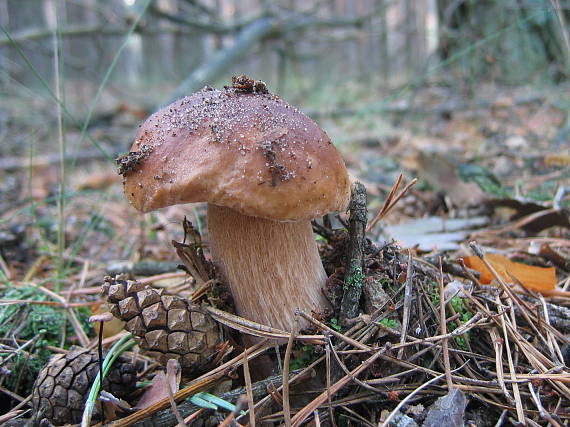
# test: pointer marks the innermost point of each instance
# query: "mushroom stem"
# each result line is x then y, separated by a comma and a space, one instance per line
272, 268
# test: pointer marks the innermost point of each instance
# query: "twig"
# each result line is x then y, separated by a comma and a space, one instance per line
337, 334
238, 395
516, 391
194, 416
409, 396
256, 329
543, 414
156, 278
501, 419
443, 325
466, 327
286, 367
171, 400
248, 389
23, 403
201, 291
391, 200
563, 27
498, 345
193, 388
355, 255
407, 303
82, 336
322, 398
553, 344
317, 418
328, 369
347, 372
229, 420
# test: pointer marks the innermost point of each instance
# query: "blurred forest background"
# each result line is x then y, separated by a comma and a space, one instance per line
331, 57
391, 81
448, 91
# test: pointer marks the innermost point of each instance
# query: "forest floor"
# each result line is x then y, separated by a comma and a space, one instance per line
487, 224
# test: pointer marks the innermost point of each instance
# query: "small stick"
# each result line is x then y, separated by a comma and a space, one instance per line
22, 403
498, 346
516, 391
249, 391
337, 334
443, 323
194, 388
198, 293
543, 414
501, 419
301, 375
230, 419
317, 418
193, 416
171, 367
157, 277
355, 257
328, 368
347, 372
391, 200
553, 344
407, 303
252, 328
302, 415
286, 364
408, 397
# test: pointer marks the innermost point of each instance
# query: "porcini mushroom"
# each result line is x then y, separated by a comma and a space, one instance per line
265, 170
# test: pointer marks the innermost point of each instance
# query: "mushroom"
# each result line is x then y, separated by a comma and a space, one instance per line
265, 170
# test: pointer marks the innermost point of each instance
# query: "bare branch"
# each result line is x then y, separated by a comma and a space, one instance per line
35, 34
204, 26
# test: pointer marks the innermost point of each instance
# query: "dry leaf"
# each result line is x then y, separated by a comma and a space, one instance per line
557, 159
539, 279
158, 390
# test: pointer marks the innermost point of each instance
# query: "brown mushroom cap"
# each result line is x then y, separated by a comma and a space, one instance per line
251, 152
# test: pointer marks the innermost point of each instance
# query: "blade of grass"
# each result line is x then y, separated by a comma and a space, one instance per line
124, 344
60, 93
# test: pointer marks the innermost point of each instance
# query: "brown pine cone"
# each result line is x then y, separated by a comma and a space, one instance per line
168, 327
62, 387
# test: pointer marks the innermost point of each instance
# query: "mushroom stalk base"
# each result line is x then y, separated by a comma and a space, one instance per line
272, 268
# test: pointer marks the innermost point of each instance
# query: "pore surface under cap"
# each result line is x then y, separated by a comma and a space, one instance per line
250, 152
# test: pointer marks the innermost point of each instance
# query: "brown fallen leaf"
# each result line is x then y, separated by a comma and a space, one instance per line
158, 390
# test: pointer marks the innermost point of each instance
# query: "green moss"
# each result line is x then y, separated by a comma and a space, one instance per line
335, 324
389, 323
460, 308
25, 322
354, 277
303, 357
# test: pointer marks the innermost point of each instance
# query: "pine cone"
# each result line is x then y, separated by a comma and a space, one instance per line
168, 327
62, 386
